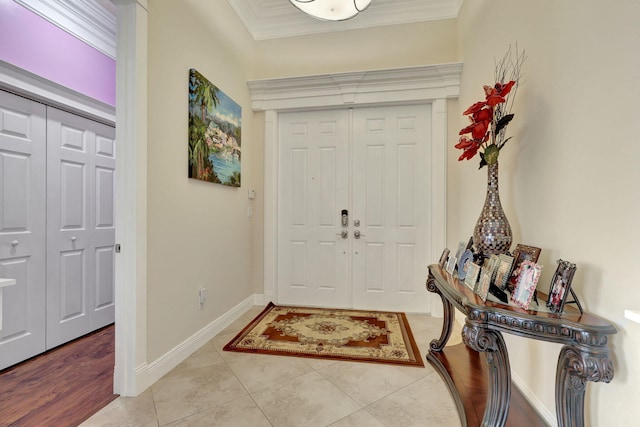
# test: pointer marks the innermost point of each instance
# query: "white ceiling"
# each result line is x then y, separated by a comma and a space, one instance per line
268, 19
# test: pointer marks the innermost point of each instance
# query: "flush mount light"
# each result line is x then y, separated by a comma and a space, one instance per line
331, 10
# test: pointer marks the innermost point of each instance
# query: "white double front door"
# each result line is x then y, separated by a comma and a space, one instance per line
351, 172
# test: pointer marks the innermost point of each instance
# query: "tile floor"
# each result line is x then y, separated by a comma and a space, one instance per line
216, 388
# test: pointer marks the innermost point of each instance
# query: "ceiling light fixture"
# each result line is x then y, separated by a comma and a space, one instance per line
331, 10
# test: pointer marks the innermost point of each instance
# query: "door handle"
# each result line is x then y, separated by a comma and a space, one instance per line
357, 234
344, 234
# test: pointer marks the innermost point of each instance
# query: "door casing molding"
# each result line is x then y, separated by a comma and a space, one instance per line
432, 84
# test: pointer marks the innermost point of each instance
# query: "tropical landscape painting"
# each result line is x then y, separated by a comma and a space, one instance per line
215, 123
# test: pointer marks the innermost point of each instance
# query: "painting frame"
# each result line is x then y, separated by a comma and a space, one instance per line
214, 133
526, 284
560, 286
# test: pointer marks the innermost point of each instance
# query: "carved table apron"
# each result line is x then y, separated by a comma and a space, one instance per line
584, 356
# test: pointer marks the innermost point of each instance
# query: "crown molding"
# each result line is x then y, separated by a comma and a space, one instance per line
412, 84
269, 19
86, 20
25, 83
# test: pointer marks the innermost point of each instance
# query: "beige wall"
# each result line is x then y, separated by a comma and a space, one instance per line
392, 46
198, 233
569, 177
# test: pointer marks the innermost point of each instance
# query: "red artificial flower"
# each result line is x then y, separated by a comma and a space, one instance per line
464, 143
479, 130
504, 90
474, 108
469, 152
484, 115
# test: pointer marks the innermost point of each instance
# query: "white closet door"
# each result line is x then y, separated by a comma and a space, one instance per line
22, 227
80, 229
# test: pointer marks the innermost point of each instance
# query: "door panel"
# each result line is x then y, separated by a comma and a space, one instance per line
391, 181
312, 257
22, 227
103, 237
80, 229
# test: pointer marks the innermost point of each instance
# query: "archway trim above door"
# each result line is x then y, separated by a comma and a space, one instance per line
432, 84
398, 85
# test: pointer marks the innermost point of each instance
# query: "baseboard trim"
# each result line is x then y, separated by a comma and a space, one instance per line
547, 416
149, 373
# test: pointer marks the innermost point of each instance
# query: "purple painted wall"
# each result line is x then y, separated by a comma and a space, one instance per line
34, 44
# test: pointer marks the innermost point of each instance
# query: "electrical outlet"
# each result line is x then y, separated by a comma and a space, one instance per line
203, 296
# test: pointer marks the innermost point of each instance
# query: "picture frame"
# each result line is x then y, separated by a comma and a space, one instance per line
215, 133
463, 264
522, 253
491, 264
472, 276
503, 270
483, 285
444, 257
526, 284
462, 246
451, 264
560, 286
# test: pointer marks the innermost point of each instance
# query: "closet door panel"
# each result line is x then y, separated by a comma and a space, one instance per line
103, 238
22, 227
80, 226
70, 142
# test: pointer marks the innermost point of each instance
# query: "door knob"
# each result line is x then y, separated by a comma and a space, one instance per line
14, 243
73, 238
344, 234
357, 234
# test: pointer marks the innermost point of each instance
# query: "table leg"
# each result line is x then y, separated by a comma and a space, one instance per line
492, 345
575, 368
447, 324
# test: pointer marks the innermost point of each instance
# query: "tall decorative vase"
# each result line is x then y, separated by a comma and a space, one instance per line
492, 233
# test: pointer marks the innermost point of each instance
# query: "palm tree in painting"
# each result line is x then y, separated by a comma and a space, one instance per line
203, 96
198, 149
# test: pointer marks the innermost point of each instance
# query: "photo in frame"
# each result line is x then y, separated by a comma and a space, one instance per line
463, 263
462, 246
520, 254
503, 271
526, 284
482, 288
451, 264
472, 276
443, 257
491, 265
560, 286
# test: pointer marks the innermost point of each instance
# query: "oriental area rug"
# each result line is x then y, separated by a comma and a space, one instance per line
356, 335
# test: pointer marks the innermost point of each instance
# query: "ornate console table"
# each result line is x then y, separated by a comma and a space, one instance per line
584, 356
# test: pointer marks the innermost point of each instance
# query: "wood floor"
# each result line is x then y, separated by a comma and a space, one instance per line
61, 387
